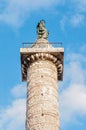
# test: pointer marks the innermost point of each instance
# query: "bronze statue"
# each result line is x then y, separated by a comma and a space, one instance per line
41, 30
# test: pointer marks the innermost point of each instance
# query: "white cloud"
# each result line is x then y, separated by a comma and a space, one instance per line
73, 103
19, 91
77, 20
74, 20
13, 117
15, 12
80, 5
63, 22
83, 48
77, 57
79, 9
75, 14
73, 95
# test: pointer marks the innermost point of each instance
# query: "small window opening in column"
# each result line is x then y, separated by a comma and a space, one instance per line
41, 76
42, 94
42, 114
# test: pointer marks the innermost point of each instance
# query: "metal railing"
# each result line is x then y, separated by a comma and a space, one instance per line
29, 44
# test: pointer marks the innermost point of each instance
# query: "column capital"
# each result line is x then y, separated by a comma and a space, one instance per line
31, 55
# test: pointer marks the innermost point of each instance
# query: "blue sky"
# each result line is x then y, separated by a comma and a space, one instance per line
66, 22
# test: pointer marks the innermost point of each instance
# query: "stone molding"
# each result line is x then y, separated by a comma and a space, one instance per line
28, 60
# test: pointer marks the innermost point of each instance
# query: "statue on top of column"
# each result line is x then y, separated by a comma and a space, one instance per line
41, 30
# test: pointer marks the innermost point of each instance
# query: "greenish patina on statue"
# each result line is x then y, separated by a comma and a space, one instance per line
41, 30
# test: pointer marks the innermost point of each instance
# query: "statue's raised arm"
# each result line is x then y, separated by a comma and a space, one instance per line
41, 30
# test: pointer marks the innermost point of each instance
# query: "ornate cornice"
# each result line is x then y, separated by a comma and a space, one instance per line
28, 60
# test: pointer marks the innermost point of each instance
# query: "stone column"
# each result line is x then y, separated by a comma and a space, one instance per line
42, 67
42, 94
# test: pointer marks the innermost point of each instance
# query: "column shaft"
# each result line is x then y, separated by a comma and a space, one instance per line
42, 96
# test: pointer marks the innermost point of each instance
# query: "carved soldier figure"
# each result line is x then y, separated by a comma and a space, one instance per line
41, 30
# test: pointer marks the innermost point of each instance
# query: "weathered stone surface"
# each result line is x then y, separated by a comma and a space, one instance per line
42, 96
